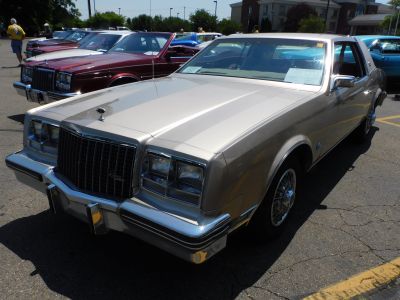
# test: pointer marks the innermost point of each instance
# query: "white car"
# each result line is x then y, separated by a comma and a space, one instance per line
183, 161
93, 45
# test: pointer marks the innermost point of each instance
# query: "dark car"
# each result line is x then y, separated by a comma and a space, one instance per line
139, 56
68, 42
94, 43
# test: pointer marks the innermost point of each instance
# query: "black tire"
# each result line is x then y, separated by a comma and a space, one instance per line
361, 134
265, 224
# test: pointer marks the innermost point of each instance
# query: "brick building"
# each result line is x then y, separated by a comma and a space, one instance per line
339, 20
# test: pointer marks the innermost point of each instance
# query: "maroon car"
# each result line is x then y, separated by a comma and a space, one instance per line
70, 41
139, 56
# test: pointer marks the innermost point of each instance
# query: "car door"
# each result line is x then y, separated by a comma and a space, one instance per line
352, 102
173, 59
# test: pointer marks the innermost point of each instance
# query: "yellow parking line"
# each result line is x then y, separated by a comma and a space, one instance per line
360, 283
385, 120
389, 117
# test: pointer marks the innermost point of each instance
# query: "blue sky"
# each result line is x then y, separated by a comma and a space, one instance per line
130, 8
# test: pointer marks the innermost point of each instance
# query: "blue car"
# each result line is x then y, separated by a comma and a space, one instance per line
192, 39
385, 51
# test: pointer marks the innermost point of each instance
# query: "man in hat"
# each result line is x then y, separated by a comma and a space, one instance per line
16, 34
47, 31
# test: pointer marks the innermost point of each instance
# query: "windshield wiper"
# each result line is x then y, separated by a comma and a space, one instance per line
210, 73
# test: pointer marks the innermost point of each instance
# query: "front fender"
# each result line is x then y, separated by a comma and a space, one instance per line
122, 76
285, 151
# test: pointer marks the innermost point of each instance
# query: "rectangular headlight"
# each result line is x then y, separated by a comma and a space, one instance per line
173, 177
26, 74
54, 133
63, 81
189, 177
36, 129
43, 136
159, 165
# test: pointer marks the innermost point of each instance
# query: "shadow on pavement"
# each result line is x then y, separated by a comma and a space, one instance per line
393, 87
77, 265
18, 118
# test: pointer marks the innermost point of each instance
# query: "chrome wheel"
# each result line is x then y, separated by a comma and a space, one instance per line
283, 198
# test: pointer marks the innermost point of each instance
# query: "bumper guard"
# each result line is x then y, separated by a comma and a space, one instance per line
38, 96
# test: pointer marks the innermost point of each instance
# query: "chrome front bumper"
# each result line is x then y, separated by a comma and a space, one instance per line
188, 240
38, 96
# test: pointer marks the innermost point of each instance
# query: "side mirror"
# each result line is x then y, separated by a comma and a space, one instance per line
346, 81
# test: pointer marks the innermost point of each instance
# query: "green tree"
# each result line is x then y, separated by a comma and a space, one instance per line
394, 3
105, 20
175, 24
387, 22
141, 22
297, 13
312, 24
392, 19
227, 26
201, 18
32, 14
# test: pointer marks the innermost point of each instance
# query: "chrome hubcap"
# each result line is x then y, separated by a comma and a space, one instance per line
284, 196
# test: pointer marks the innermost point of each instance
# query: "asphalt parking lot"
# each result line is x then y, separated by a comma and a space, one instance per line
347, 222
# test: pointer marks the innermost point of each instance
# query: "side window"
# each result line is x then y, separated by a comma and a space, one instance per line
348, 60
161, 41
391, 46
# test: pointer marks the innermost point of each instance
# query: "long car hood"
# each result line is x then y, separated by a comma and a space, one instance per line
76, 64
63, 54
57, 48
203, 112
53, 42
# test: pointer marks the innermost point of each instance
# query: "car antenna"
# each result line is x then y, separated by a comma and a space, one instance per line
152, 66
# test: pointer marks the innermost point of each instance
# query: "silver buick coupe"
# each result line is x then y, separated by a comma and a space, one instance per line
182, 161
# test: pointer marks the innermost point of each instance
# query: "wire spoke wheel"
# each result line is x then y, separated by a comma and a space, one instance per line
283, 198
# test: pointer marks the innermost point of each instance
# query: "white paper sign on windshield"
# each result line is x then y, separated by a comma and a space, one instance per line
304, 76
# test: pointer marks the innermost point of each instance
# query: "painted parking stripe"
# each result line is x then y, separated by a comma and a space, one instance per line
360, 283
389, 120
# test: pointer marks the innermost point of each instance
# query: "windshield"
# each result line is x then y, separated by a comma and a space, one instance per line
368, 42
76, 36
284, 60
61, 34
99, 42
183, 37
142, 43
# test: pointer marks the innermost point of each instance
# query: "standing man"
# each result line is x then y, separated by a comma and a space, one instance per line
47, 31
16, 34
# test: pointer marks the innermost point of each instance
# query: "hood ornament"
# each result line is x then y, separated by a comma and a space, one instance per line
101, 111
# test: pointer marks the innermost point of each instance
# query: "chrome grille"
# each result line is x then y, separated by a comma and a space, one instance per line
96, 166
43, 79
